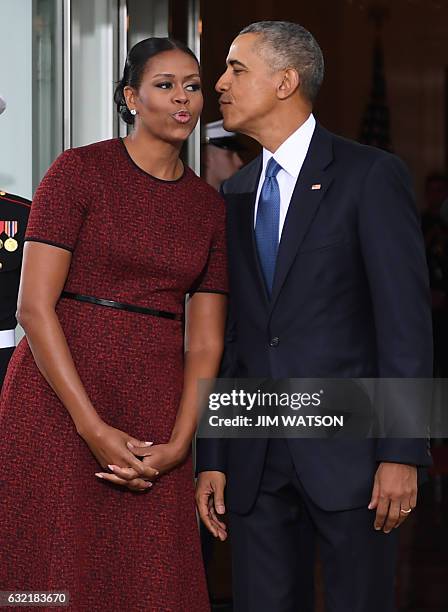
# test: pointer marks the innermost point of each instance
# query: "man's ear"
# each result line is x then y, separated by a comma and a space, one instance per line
289, 83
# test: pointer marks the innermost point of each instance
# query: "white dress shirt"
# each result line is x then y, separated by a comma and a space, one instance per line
290, 155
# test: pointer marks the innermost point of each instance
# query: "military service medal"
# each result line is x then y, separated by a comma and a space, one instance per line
2, 229
11, 243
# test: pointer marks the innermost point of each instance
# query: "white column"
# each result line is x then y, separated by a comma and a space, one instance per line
94, 26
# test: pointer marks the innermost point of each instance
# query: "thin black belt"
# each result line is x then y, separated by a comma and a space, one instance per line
121, 306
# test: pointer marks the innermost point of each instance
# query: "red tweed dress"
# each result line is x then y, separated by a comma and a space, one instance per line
142, 241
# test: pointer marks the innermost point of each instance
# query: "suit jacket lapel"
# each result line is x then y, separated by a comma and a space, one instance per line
304, 204
245, 209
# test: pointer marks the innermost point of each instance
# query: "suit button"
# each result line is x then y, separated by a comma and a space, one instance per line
1, 265
274, 341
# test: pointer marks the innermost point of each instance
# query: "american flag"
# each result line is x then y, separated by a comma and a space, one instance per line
375, 127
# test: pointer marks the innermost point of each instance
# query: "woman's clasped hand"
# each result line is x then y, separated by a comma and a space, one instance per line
138, 464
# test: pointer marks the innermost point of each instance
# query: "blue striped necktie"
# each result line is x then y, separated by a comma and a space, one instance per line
267, 222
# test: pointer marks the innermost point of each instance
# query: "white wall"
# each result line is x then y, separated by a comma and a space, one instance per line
15, 87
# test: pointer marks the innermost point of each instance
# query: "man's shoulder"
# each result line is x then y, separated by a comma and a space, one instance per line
245, 180
14, 204
346, 152
13, 197
359, 156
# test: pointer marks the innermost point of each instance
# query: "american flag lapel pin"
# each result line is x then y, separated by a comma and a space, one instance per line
315, 186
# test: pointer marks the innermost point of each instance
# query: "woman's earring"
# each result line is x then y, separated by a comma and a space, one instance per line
133, 112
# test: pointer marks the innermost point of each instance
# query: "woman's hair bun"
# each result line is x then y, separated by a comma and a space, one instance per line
120, 102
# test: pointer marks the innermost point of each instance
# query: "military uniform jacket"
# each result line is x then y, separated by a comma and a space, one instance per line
14, 212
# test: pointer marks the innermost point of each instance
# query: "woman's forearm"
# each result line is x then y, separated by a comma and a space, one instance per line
199, 364
54, 360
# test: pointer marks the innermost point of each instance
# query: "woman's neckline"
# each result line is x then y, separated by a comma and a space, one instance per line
155, 178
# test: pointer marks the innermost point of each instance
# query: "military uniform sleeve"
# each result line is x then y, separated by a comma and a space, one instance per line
60, 203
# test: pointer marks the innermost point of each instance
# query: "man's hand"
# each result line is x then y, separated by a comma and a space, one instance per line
210, 502
394, 493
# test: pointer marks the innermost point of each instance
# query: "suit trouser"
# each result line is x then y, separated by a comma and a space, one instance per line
5, 356
268, 545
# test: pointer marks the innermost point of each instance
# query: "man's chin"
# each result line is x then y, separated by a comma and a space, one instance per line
229, 125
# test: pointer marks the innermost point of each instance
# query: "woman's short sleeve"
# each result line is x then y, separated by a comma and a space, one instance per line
59, 204
214, 277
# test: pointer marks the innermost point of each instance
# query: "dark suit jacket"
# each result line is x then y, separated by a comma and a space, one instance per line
350, 299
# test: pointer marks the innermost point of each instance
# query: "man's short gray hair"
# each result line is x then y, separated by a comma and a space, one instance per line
289, 45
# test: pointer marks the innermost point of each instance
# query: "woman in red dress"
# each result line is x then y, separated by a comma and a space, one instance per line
119, 233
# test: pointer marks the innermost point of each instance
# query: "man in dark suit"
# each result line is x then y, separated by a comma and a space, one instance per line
327, 280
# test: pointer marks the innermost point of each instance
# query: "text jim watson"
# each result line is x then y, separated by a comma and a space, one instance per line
293, 420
